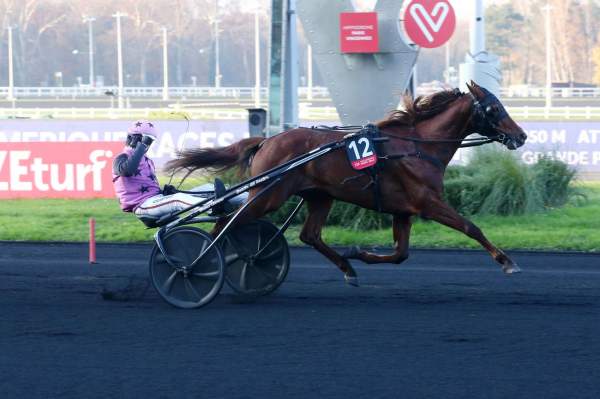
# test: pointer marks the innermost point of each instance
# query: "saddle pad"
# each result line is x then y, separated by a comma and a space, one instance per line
360, 151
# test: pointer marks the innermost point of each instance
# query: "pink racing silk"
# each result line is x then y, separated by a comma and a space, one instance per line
133, 190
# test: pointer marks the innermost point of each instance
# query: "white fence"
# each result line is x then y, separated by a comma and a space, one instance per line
150, 92
517, 113
124, 113
306, 113
248, 92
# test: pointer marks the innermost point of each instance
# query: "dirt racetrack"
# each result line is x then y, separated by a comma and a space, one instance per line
446, 324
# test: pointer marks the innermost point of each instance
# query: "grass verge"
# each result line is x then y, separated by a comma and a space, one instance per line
573, 227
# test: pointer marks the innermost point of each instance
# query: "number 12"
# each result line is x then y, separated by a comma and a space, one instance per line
366, 151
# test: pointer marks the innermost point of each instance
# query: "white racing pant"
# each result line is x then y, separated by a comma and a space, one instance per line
161, 205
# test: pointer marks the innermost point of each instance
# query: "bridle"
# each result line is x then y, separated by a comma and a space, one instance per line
488, 113
485, 120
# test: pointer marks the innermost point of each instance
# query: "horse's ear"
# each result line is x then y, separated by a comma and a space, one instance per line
474, 89
470, 87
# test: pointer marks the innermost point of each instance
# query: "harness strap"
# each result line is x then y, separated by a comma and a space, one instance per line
472, 142
417, 154
375, 135
477, 144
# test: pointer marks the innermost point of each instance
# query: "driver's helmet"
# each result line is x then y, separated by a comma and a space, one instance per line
138, 129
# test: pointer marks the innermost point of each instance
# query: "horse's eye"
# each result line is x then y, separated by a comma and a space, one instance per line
491, 110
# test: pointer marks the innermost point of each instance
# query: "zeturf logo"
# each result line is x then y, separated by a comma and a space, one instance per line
57, 170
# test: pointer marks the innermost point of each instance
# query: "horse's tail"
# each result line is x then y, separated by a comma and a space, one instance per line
216, 159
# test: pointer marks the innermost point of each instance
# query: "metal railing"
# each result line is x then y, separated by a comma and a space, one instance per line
124, 113
248, 92
517, 113
533, 92
306, 113
557, 92
150, 92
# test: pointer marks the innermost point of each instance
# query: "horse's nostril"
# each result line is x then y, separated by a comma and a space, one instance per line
523, 136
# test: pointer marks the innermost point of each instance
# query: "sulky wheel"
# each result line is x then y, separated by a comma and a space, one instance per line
247, 273
181, 285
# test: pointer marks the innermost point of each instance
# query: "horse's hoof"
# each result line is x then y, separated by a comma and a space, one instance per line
351, 252
511, 268
351, 280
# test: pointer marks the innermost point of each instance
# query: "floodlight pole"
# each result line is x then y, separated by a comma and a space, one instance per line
89, 20
290, 64
309, 72
11, 82
477, 29
256, 60
447, 74
217, 62
165, 93
118, 16
548, 24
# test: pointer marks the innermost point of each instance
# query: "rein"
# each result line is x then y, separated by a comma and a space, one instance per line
473, 142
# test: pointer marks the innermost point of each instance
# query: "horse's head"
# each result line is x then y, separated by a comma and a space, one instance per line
491, 119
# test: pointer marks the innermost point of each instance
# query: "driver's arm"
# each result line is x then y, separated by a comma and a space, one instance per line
127, 166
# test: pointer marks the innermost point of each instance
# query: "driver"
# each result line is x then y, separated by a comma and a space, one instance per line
134, 178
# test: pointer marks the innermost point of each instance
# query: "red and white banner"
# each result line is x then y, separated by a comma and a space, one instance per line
359, 32
57, 170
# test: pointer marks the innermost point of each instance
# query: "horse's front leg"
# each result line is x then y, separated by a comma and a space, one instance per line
443, 213
401, 230
319, 206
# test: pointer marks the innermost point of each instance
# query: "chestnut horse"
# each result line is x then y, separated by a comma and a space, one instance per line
423, 138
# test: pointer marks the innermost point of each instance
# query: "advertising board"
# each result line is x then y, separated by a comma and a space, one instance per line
24, 141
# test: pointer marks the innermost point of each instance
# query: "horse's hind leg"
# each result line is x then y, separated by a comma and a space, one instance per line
318, 209
443, 213
401, 230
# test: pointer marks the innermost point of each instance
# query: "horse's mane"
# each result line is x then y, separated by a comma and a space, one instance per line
422, 108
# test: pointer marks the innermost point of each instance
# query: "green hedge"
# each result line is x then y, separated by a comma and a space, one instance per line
494, 182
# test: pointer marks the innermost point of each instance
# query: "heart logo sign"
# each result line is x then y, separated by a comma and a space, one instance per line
429, 23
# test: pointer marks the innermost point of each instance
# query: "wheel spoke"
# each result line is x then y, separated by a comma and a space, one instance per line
207, 275
231, 258
204, 245
271, 254
189, 288
243, 276
160, 258
168, 284
268, 276
236, 244
259, 237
